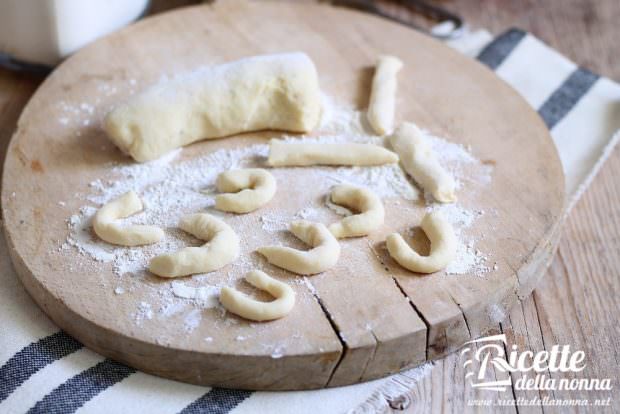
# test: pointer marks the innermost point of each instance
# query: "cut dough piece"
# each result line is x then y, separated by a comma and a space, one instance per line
323, 255
252, 188
107, 229
287, 154
383, 94
242, 305
222, 247
262, 92
420, 162
443, 246
360, 199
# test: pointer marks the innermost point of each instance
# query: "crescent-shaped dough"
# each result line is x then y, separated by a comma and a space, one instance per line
443, 246
252, 188
418, 159
242, 305
222, 247
287, 154
107, 229
383, 94
323, 255
263, 92
360, 199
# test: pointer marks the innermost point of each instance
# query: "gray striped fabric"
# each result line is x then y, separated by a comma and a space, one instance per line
566, 96
73, 393
217, 401
53, 373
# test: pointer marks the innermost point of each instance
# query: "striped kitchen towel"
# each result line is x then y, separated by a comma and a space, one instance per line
43, 370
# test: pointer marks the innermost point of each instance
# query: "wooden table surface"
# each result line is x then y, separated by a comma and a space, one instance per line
578, 301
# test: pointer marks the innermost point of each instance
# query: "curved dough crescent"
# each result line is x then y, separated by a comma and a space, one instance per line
242, 305
252, 188
290, 154
443, 246
371, 210
418, 159
135, 235
383, 94
323, 255
222, 247
278, 91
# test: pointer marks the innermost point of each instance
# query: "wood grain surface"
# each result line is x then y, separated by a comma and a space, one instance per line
359, 326
577, 302
587, 32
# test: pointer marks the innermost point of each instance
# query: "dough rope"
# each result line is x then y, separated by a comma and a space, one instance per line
107, 229
263, 92
371, 210
252, 188
222, 247
323, 255
383, 94
443, 246
242, 305
288, 154
420, 162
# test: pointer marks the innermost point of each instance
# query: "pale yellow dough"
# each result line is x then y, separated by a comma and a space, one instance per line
242, 305
107, 229
252, 188
420, 162
323, 255
222, 248
263, 92
290, 154
371, 213
443, 246
383, 94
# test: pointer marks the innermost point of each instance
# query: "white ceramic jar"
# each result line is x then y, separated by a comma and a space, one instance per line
45, 31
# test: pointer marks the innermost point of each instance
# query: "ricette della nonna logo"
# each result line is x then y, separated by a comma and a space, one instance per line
527, 370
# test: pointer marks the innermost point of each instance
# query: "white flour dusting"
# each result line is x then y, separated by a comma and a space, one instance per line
192, 320
171, 188
468, 258
206, 295
143, 312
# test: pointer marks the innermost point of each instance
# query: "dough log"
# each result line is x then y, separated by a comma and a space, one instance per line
383, 94
222, 247
420, 162
107, 229
286, 154
252, 188
443, 246
263, 92
371, 212
323, 255
242, 305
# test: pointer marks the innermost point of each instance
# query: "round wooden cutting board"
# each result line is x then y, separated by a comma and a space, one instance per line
364, 319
